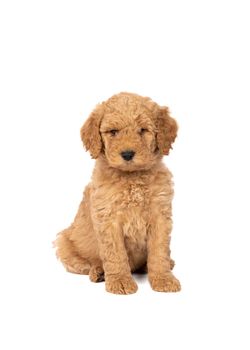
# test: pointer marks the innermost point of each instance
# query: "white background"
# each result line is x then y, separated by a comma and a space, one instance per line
60, 58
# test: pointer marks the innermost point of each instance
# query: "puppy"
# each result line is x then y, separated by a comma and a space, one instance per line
124, 223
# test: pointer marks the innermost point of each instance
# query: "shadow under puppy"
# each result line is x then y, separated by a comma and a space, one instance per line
124, 223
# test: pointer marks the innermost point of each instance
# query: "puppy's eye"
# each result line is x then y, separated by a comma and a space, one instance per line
142, 131
113, 132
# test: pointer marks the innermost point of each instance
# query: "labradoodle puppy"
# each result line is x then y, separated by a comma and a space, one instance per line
124, 223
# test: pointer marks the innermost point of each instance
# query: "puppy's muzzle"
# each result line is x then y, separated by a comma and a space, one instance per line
128, 155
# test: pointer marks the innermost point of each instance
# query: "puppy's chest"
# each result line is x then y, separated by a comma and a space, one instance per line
135, 200
134, 195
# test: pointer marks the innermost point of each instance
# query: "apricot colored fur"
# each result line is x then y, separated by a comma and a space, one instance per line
124, 223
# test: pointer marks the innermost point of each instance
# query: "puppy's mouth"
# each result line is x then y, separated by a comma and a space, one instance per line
131, 165
127, 164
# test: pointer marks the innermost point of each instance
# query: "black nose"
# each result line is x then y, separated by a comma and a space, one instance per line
127, 155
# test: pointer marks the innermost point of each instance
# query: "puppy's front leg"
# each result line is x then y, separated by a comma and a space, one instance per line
118, 278
159, 262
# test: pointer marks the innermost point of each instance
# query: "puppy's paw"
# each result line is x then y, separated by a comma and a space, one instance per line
120, 285
165, 283
172, 264
96, 274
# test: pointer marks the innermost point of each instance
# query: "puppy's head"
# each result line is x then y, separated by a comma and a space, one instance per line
130, 131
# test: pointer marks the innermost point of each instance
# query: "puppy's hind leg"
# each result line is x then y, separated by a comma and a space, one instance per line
68, 254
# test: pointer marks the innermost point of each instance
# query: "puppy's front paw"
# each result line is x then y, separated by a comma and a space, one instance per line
165, 283
120, 285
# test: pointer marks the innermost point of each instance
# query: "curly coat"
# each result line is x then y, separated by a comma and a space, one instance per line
124, 223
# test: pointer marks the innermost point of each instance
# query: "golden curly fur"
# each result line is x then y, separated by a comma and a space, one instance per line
124, 223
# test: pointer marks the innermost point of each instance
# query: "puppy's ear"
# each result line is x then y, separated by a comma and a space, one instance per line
90, 133
166, 130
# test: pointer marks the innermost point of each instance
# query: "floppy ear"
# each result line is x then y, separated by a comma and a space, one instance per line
90, 133
166, 130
